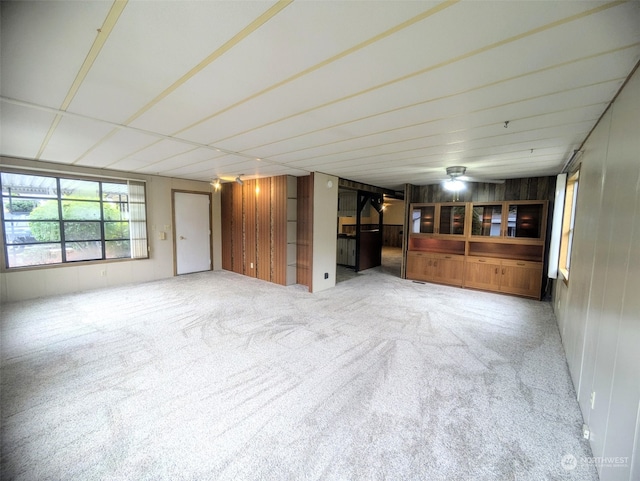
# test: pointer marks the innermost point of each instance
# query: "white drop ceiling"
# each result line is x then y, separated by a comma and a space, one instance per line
380, 92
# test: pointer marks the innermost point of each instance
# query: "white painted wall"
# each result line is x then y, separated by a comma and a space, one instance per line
48, 281
325, 223
598, 310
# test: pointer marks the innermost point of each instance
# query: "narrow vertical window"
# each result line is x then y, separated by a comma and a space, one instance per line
568, 223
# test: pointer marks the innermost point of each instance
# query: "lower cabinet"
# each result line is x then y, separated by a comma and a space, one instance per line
521, 278
482, 273
346, 251
510, 276
441, 268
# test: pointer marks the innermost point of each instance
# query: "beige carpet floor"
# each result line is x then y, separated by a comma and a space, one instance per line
216, 376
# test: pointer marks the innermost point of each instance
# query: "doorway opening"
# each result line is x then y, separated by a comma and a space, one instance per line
370, 233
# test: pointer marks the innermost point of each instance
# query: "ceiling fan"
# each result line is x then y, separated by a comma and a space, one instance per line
457, 179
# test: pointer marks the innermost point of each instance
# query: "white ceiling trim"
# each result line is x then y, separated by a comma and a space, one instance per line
430, 68
94, 51
248, 30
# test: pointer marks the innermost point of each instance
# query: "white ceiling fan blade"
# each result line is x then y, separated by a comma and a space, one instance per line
466, 178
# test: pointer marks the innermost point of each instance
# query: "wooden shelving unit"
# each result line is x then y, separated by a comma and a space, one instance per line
495, 246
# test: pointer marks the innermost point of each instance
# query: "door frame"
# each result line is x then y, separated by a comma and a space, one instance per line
173, 220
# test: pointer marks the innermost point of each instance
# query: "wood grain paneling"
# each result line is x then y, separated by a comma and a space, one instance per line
370, 250
264, 238
237, 231
226, 222
279, 229
304, 255
392, 235
255, 228
534, 188
250, 227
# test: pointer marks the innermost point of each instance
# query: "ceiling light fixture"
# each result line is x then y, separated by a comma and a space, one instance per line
239, 180
456, 171
215, 183
453, 185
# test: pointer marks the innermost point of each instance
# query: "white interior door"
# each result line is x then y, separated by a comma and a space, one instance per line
192, 232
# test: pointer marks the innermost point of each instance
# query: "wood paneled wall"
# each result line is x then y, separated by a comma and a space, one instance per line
237, 231
304, 251
534, 188
279, 226
250, 228
226, 224
254, 228
263, 251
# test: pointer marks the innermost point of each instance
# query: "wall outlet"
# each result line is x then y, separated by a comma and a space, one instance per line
586, 433
103, 273
326, 275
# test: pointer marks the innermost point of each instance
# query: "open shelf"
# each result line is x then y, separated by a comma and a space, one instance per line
524, 252
440, 246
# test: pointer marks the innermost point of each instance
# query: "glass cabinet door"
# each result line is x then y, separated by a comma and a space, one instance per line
423, 219
487, 220
525, 220
452, 219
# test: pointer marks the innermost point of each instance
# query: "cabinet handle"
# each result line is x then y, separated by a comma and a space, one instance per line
481, 260
503, 271
520, 263
447, 257
496, 270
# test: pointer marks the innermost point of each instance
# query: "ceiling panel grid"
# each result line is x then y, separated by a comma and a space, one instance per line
383, 93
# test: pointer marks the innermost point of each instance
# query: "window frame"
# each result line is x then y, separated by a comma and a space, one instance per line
568, 224
141, 238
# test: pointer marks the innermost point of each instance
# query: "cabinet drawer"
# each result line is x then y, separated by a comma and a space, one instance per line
483, 260
453, 257
525, 264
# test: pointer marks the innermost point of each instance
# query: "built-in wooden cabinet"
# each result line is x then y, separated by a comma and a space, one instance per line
521, 278
514, 220
442, 268
495, 246
442, 219
513, 277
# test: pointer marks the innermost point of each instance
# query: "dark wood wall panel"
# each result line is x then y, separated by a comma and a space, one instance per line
279, 228
304, 252
534, 188
237, 233
392, 235
226, 222
250, 227
263, 204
